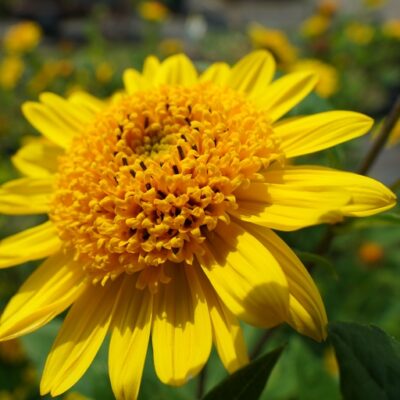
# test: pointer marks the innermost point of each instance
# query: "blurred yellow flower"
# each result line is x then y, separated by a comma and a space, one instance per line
75, 396
50, 71
6, 395
370, 252
104, 72
170, 46
391, 28
327, 7
316, 25
359, 33
328, 78
11, 70
330, 361
11, 351
153, 11
374, 3
274, 40
22, 37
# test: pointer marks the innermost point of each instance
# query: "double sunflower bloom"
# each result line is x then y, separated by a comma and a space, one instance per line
161, 205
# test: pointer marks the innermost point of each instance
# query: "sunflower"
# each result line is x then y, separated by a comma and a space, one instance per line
161, 205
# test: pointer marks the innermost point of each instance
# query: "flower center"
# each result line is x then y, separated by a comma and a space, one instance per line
154, 173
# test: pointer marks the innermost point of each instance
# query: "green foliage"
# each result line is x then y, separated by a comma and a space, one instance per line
248, 382
369, 362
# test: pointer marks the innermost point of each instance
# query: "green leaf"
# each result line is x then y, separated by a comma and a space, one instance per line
378, 221
248, 382
369, 362
317, 260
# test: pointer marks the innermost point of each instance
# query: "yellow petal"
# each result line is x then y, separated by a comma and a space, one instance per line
286, 207
32, 244
150, 67
227, 333
87, 101
75, 115
304, 135
79, 339
245, 275
181, 327
38, 158
26, 196
58, 129
176, 70
253, 73
367, 196
129, 340
306, 310
286, 92
216, 73
52, 288
133, 81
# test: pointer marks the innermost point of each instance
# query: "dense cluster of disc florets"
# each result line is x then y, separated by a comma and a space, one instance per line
155, 172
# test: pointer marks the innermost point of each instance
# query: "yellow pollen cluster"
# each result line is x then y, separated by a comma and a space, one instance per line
154, 173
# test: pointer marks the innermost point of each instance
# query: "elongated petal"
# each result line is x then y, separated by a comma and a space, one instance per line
150, 67
133, 81
288, 208
75, 115
58, 129
87, 102
216, 73
283, 94
52, 288
176, 70
181, 328
367, 196
253, 73
26, 196
304, 135
31, 244
79, 339
306, 310
246, 276
38, 158
129, 340
227, 333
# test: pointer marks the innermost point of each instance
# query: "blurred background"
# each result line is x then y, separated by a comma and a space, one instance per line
353, 45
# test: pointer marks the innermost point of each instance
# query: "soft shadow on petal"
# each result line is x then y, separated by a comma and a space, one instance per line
130, 329
181, 333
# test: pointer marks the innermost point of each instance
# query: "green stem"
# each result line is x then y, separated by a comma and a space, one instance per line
387, 127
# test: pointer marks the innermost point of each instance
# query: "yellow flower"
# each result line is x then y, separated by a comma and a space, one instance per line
153, 11
391, 28
316, 25
370, 252
22, 37
161, 207
328, 80
374, 3
327, 7
170, 46
104, 72
273, 40
11, 70
359, 33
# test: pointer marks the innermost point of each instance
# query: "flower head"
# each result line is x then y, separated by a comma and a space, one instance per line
316, 25
391, 29
328, 79
11, 70
22, 37
162, 204
359, 33
273, 40
153, 11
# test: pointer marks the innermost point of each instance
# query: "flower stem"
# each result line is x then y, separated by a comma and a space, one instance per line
259, 346
383, 136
